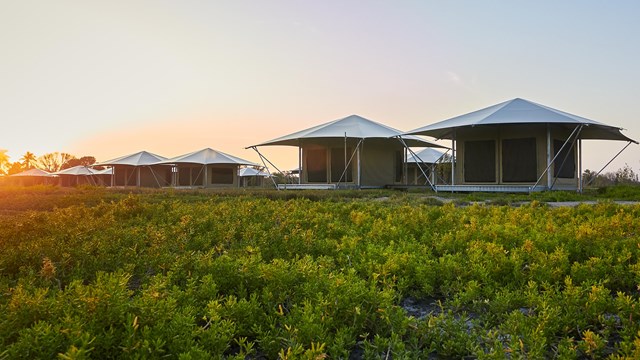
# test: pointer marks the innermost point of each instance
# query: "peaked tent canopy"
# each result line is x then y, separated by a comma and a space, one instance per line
354, 127
34, 173
79, 170
427, 155
141, 158
520, 111
138, 170
207, 156
251, 172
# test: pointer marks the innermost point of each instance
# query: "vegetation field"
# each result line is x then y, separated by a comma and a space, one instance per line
95, 274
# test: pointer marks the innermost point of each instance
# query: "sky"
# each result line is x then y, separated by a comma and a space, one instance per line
109, 78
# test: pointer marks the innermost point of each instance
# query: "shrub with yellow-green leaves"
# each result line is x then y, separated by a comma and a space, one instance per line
250, 277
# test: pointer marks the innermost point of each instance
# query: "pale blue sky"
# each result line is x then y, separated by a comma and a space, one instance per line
106, 78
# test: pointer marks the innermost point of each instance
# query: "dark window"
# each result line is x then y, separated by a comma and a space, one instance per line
565, 164
399, 165
337, 165
480, 161
184, 176
221, 175
519, 162
317, 165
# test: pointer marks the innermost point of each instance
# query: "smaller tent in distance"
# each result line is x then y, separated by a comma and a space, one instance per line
32, 177
103, 177
252, 177
206, 168
139, 169
77, 175
422, 164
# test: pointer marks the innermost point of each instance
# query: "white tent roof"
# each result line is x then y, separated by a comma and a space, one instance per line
251, 172
206, 157
107, 171
353, 126
141, 158
520, 111
428, 156
79, 170
34, 172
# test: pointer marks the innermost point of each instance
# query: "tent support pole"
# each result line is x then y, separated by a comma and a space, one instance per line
546, 171
359, 162
415, 156
573, 143
607, 164
347, 163
299, 164
138, 177
263, 159
549, 178
453, 162
580, 166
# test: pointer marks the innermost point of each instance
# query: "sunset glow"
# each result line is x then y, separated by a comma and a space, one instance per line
110, 78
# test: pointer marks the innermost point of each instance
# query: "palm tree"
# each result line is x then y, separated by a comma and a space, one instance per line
4, 160
29, 160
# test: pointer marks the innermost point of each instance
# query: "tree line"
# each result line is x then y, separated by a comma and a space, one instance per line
50, 162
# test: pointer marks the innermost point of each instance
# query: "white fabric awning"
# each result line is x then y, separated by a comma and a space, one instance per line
520, 111
251, 172
351, 127
34, 172
141, 158
206, 157
79, 170
428, 156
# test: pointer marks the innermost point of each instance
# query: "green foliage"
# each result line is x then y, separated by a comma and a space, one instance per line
183, 275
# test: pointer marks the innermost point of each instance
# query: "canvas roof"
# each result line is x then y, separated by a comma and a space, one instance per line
354, 126
520, 111
207, 156
107, 171
79, 170
251, 172
427, 155
141, 158
34, 172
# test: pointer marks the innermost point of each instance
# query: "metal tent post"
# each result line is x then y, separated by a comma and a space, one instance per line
573, 143
263, 159
358, 153
415, 156
299, 163
607, 164
549, 177
453, 160
580, 166
546, 171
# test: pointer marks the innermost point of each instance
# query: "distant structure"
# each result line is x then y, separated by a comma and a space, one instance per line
139, 170
348, 152
205, 168
518, 146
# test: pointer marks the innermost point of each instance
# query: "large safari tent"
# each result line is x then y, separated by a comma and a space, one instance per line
518, 146
140, 170
205, 168
348, 152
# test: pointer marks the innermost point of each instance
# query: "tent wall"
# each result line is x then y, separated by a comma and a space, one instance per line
75, 180
512, 155
415, 176
150, 176
380, 160
209, 176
